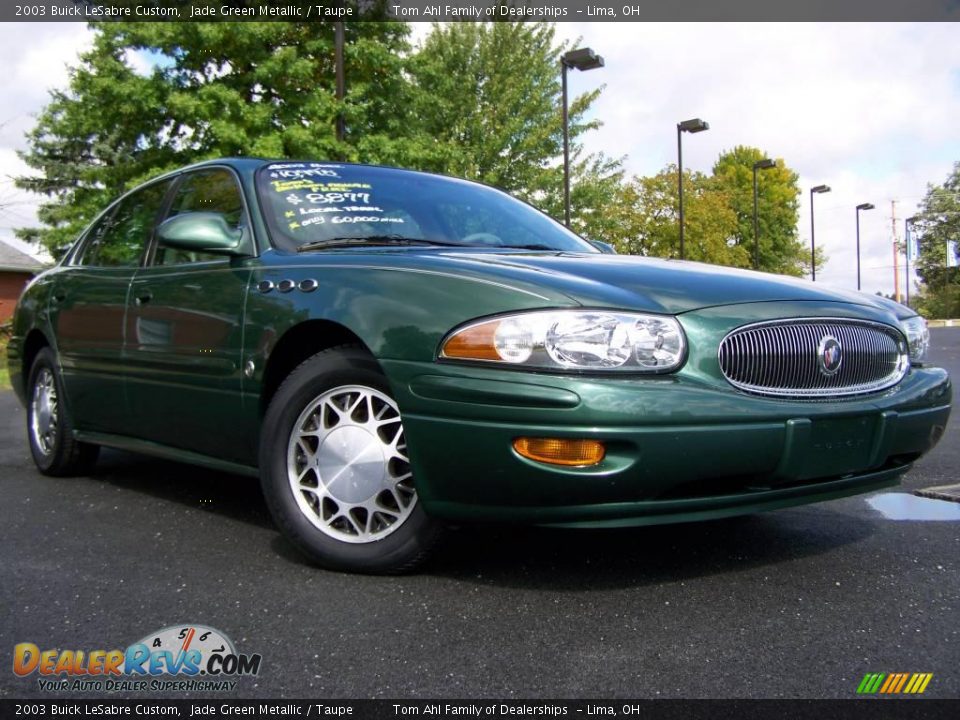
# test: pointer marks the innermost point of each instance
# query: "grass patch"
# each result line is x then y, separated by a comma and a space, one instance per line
4, 371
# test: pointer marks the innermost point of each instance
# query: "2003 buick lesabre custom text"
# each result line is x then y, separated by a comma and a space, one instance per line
389, 350
81, 709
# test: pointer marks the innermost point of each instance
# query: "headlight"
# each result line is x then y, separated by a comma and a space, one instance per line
572, 340
918, 337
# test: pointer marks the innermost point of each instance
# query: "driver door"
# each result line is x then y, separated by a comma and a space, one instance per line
184, 331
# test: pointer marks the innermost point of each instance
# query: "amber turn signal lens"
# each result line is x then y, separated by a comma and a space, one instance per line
475, 343
560, 451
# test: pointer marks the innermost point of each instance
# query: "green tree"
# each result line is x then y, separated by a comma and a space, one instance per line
478, 101
647, 219
489, 99
216, 89
778, 203
938, 228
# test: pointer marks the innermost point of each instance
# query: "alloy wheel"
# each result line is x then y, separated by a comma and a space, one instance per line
347, 465
45, 410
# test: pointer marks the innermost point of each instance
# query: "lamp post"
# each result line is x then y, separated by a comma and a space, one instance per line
861, 206
338, 41
813, 246
579, 59
764, 164
691, 126
907, 232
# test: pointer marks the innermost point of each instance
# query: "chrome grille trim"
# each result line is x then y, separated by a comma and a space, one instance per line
778, 358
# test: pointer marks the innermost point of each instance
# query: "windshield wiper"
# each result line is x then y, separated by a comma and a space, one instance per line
339, 242
529, 246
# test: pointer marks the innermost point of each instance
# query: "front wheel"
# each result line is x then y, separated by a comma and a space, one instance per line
335, 471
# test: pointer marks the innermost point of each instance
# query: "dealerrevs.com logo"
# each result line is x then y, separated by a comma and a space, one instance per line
177, 658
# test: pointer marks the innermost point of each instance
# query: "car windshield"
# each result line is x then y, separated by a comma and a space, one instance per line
313, 205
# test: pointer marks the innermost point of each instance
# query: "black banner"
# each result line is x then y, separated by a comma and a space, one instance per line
217, 709
473, 10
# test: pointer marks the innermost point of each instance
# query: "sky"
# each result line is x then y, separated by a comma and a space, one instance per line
869, 109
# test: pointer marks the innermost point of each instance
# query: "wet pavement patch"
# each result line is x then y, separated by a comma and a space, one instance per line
941, 492
903, 506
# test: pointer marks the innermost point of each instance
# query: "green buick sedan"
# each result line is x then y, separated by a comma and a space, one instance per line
390, 351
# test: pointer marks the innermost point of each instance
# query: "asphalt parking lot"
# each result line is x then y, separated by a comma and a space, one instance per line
794, 603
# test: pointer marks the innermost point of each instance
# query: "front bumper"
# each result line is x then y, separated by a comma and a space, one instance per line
678, 448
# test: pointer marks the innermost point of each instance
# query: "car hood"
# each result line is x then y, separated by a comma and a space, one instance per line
667, 286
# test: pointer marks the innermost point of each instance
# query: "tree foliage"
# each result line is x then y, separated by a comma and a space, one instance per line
938, 228
778, 206
214, 90
651, 221
479, 100
718, 215
489, 97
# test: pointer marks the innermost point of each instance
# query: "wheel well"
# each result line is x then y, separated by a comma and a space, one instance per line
296, 345
32, 344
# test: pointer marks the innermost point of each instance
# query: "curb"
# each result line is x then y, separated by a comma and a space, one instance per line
943, 323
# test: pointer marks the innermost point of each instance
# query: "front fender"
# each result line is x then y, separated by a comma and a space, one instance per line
399, 312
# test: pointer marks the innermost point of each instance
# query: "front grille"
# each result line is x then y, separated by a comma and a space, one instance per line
797, 358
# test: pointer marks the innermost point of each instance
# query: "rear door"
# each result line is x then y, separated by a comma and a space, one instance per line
184, 331
88, 305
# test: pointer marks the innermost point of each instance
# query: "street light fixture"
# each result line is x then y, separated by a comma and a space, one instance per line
813, 247
691, 126
907, 232
579, 59
862, 206
764, 164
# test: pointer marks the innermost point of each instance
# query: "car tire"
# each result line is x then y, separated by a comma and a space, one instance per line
54, 449
334, 469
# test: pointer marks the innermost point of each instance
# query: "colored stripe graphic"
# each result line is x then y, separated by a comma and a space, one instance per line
922, 685
894, 683
870, 683
900, 683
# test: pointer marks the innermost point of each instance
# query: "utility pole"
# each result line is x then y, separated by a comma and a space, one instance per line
896, 251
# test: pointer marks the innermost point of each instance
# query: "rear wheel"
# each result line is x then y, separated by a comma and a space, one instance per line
54, 449
335, 470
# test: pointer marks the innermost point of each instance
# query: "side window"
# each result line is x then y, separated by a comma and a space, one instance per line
213, 190
91, 242
119, 239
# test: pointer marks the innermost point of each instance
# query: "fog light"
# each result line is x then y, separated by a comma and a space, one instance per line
560, 451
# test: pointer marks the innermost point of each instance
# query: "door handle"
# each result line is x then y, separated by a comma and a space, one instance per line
143, 297
59, 296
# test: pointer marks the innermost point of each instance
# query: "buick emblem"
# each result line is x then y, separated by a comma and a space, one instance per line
829, 355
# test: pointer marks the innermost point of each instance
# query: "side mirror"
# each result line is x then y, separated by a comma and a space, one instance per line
605, 248
201, 232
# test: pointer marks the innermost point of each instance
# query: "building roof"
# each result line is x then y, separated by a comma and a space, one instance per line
12, 259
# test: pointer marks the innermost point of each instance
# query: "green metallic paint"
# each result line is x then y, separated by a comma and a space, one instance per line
659, 512
493, 392
184, 355
201, 232
31, 315
123, 442
750, 453
86, 308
